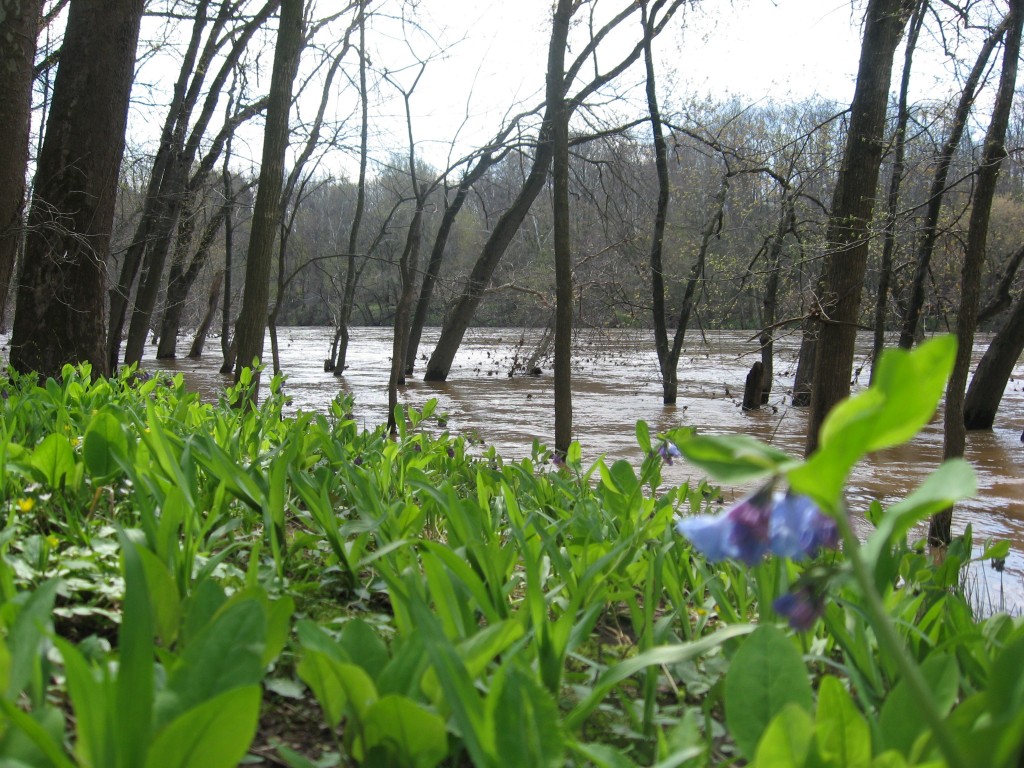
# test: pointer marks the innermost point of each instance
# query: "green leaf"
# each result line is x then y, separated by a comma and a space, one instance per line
91, 707
25, 639
364, 647
734, 458
398, 731
643, 437
54, 459
135, 671
339, 687
844, 737
104, 447
525, 720
786, 742
215, 734
227, 654
913, 383
766, 674
163, 596
901, 722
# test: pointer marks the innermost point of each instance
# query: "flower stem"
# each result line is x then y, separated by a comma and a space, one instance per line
891, 643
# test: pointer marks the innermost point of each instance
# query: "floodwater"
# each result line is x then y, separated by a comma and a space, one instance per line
616, 383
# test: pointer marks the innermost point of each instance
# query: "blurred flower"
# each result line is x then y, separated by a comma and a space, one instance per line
801, 607
668, 451
798, 528
52, 540
26, 504
358, 461
785, 525
741, 533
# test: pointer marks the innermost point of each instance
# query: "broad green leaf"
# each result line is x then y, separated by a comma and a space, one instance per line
91, 707
477, 651
398, 731
227, 654
163, 596
135, 671
766, 674
54, 459
786, 742
525, 720
734, 458
215, 734
913, 383
30, 740
643, 437
843, 735
364, 646
104, 447
901, 722
25, 638
339, 687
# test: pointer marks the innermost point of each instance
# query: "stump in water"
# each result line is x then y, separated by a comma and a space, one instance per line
754, 387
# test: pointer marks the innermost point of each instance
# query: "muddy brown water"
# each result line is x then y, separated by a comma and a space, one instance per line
615, 384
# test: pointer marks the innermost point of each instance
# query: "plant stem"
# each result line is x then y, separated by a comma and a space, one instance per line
891, 643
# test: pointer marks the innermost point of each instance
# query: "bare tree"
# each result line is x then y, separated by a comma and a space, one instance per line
19, 23
993, 155
252, 320
61, 316
852, 206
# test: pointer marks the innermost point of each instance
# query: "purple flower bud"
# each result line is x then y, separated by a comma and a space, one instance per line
798, 529
358, 461
668, 451
801, 607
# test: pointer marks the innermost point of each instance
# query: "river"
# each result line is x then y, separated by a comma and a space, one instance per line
615, 383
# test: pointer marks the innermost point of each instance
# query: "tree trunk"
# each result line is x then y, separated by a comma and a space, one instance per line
340, 362
852, 206
19, 26
893, 198
177, 292
458, 320
252, 320
562, 223
994, 370
929, 229
954, 437
437, 256
787, 223
199, 341
61, 313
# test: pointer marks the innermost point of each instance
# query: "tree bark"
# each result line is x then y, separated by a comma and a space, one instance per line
561, 217
994, 370
19, 26
61, 313
852, 206
251, 328
895, 182
954, 437
196, 351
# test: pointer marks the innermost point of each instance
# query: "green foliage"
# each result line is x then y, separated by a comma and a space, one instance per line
162, 556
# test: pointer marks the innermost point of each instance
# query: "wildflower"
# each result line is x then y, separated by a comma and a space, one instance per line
802, 607
451, 453
26, 504
786, 525
52, 540
668, 451
358, 461
741, 533
798, 529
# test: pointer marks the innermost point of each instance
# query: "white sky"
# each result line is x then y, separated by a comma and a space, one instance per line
488, 61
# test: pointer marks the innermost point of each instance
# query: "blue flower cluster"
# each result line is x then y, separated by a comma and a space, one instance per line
782, 524
786, 525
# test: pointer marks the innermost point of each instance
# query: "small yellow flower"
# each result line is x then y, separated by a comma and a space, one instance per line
53, 541
26, 505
